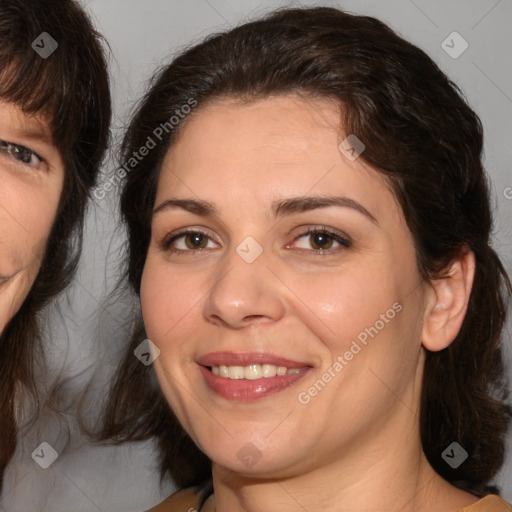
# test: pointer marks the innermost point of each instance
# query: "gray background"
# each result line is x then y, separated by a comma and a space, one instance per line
89, 328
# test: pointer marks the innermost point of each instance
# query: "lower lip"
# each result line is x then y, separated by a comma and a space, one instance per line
249, 390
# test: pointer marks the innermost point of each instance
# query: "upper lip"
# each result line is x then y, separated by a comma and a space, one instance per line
246, 359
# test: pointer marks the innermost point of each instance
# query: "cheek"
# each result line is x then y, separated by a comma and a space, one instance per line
342, 304
167, 301
366, 320
26, 219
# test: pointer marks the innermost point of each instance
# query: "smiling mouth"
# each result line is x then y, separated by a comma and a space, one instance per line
252, 382
253, 371
249, 376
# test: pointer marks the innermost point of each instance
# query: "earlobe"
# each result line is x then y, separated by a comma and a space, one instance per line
447, 303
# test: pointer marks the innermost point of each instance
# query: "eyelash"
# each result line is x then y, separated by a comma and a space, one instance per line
344, 241
16, 150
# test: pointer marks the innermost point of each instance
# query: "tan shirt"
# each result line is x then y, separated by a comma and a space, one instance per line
188, 500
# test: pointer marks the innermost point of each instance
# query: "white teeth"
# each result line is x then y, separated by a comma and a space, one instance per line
236, 372
252, 371
269, 370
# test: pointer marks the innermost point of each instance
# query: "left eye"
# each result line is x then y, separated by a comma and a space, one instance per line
320, 240
189, 241
21, 153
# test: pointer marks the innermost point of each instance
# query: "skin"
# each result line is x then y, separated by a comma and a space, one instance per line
29, 198
357, 441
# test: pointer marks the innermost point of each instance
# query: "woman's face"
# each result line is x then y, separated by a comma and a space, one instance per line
271, 248
31, 181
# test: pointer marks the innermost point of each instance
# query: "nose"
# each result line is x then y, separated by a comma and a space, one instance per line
244, 294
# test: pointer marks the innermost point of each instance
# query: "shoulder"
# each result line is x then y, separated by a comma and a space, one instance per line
185, 500
491, 503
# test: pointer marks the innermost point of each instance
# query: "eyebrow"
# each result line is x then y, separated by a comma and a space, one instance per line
280, 208
34, 134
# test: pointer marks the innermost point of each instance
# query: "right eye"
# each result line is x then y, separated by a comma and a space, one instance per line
187, 241
21, 154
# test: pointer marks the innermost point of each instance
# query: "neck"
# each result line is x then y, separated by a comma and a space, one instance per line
380, 472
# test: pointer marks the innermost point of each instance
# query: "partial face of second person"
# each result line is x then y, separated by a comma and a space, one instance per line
246, 266
31, 182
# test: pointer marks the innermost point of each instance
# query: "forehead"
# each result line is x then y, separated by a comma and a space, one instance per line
288, 144
23, 125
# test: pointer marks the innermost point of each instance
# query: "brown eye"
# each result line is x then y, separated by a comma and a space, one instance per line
188, 241
321, 240
196, 240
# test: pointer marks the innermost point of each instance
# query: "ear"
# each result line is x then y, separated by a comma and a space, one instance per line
447, 303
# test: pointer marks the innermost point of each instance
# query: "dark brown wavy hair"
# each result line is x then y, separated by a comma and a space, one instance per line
421, 134
70, 89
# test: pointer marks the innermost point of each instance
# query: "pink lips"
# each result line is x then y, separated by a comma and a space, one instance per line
248, 390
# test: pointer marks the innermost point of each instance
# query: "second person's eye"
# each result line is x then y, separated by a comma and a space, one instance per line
21, 154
